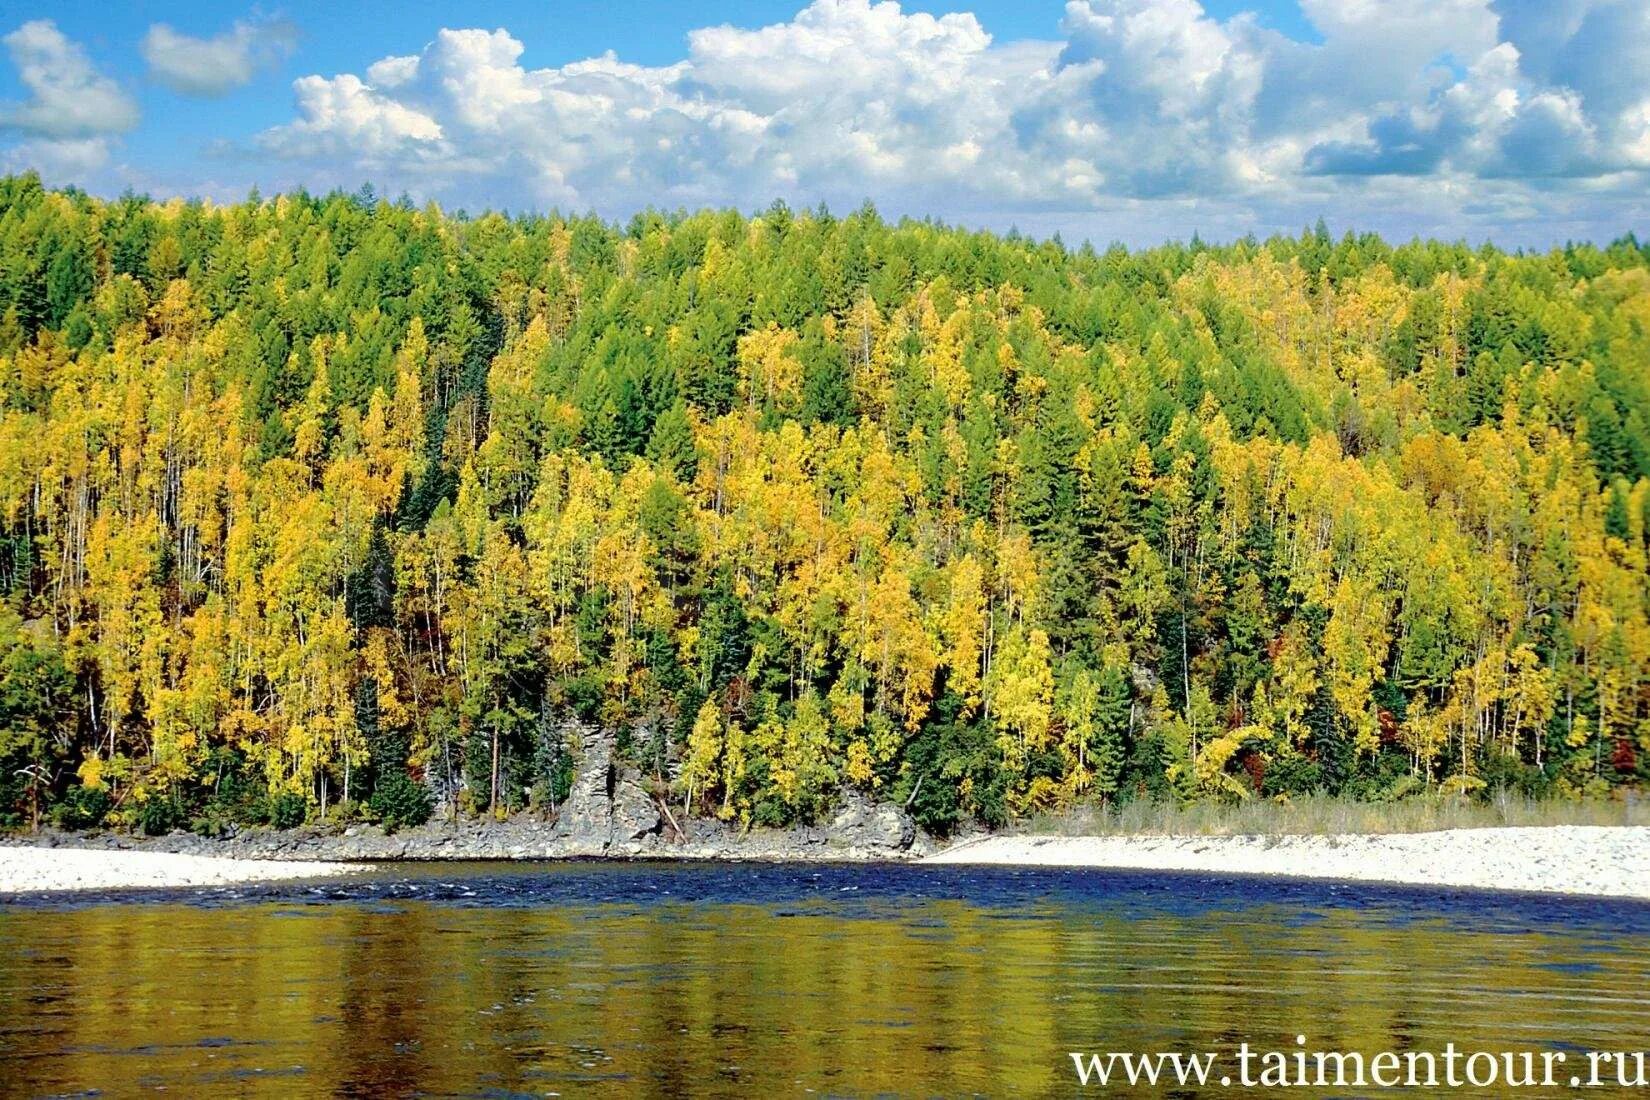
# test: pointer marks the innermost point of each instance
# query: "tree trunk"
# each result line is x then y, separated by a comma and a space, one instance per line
493, 800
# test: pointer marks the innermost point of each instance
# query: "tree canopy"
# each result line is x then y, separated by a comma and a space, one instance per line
307, 502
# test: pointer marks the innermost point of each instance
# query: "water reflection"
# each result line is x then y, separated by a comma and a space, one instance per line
738, 980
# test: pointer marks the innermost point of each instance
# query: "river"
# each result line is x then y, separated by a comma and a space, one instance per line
741, 979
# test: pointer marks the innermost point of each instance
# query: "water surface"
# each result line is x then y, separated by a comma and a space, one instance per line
728, 979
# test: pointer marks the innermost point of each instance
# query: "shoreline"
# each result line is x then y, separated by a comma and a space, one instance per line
1569, 860
518, 839
115, 861
33, 869
1600, 861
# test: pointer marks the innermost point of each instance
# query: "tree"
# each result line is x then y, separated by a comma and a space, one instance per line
671, 446
69, 281
35, 704
702, 765
370, 593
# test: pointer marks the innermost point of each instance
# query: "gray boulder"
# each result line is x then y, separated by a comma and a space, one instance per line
861, 823
632, 814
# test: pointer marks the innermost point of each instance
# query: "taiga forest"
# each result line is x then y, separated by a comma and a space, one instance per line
321, 508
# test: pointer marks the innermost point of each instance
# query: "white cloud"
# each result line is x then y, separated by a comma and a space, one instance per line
214, 66
72, 110
58, 160
1136, 114
392, 72
1573, 107
1138, 111
345, 118
69, 97
849, 99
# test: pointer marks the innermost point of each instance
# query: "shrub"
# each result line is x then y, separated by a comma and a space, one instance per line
288, 810
1291, 775
238, 793
213, 821
1505, 771
770, 813
82, 808
399, 801
160, 815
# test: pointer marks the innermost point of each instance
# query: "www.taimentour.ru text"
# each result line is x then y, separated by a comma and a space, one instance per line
1299, 1067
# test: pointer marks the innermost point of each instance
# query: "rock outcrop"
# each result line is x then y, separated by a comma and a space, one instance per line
861, 823
608, 804
610, 812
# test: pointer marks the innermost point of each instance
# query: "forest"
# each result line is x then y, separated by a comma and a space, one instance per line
337, 508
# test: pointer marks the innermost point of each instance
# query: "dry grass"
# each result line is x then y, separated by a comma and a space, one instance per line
1321, 815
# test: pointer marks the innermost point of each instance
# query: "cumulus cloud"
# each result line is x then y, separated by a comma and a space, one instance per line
60, 159
347, 118
1149, 109
1141, 118
69, 97
847, 99
1560, 95
72, 108
217, 65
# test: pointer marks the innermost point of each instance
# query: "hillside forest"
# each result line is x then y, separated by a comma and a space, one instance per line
331, 508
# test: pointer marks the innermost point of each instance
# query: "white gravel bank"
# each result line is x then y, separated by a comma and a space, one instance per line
1565, 859
34, 870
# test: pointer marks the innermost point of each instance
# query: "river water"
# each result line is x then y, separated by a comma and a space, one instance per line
729, 979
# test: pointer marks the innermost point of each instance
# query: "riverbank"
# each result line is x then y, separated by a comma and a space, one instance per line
1597, 861
35, 869
623, 828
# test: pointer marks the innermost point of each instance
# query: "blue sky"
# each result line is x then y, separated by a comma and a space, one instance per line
1522, 121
